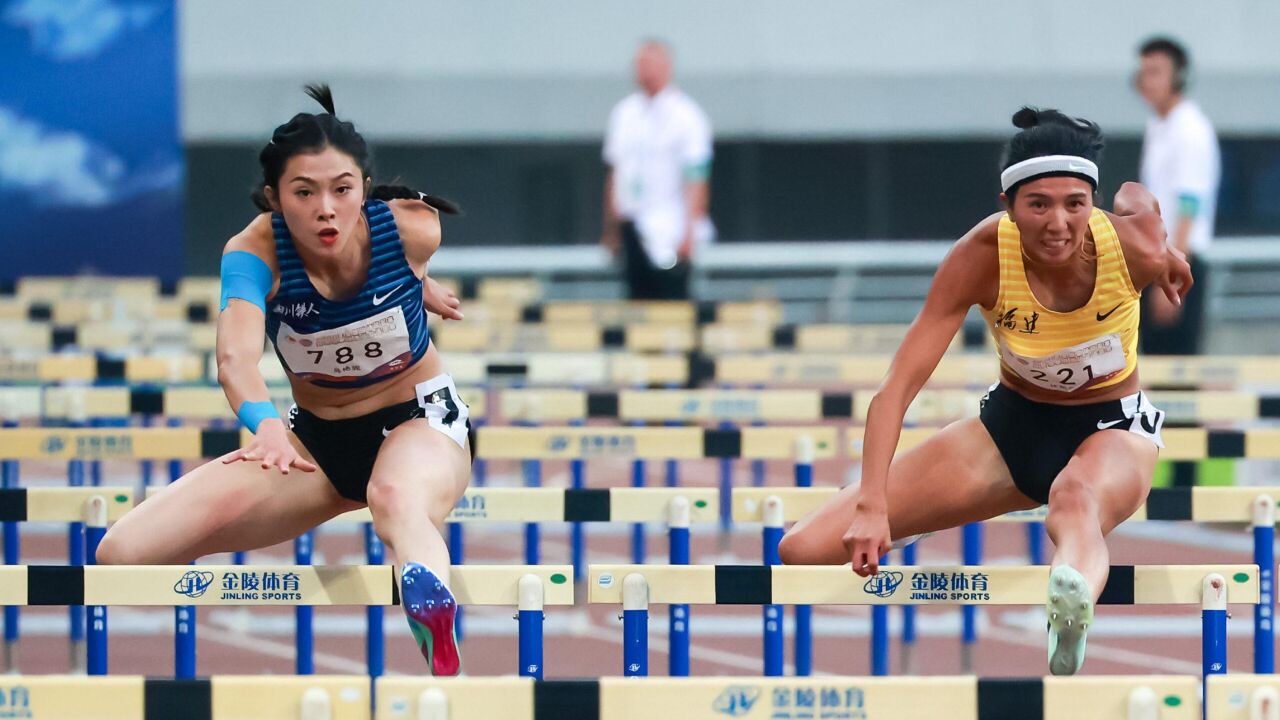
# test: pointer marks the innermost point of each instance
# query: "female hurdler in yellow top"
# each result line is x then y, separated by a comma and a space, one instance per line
1058, 282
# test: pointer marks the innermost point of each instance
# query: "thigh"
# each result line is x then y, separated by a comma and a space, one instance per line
229, 507
420, 467
1115, 467
955, 477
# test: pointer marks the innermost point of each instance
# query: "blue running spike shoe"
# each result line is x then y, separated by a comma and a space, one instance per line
1070, 608
431, 609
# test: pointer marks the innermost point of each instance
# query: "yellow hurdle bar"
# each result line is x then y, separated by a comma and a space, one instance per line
564, 337
1207, 504
548, 443
263, 584
632, 368
900, 585
1180, 443
222, 697
1171, 697
980, 369
556, 405
70, 504
548, 505
511, 504
187, 402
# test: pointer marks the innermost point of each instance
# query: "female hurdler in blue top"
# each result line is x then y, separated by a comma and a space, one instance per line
335, 274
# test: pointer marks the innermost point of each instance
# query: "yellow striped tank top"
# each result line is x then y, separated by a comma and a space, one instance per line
1094, 346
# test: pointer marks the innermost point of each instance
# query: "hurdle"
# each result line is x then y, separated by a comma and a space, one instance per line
569, 369
809, 405
1168, 697
1254, 506
530, 588
655, 337
150, 400
978, 369
679, 507
635, 587
1243, 697
556, 369
221, 697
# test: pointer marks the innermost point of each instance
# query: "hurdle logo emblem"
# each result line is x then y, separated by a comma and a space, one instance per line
53, 445
883, 584
15, 702
193, 584
736, 700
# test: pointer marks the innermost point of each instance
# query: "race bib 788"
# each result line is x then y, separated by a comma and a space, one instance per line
372, 347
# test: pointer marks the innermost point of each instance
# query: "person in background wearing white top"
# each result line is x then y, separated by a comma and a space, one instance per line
658, 151
1181, 167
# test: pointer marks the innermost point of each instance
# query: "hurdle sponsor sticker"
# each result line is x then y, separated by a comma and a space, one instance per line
472, 506
97, 446
15, 702
950, 586
736, 700
605, 580
593, 445
722, 408
267, 585
241, 585
12, 370
883, 584
828, 702
104, 446
193, 584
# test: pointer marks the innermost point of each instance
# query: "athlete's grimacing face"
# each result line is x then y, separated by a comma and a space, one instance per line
320, 195
1052, 215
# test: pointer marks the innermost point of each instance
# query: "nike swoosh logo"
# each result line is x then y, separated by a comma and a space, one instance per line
385, 432
1104, 425
379, 300
1101, 316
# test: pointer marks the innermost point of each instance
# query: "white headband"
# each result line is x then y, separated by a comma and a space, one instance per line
1046, 164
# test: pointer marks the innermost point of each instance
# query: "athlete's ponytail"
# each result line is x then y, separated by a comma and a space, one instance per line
310, 133
401, 192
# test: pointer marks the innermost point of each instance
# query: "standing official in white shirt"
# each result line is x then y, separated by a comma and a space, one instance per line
658, 151
1182, 168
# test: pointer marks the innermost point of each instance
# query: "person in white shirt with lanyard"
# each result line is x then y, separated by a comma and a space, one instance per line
658, 149
334, 271
1181, 166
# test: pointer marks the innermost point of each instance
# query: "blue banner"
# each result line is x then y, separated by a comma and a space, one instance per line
91, 160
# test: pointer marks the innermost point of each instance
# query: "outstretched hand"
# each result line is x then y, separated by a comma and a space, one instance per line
441, 300
1176, 279
271, 448
867, 539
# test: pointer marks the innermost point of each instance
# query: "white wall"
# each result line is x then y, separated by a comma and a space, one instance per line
539, 69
